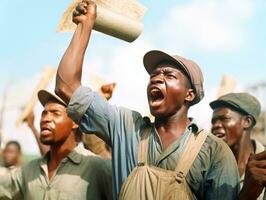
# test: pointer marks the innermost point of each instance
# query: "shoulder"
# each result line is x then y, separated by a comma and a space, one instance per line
216, 144
217, 150
32, 165
83, 151
92, 160
3, 171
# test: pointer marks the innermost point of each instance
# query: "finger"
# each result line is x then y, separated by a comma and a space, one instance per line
258, 171
82, 8
260, 179
76, 13
87, 2
259, 156
260, 164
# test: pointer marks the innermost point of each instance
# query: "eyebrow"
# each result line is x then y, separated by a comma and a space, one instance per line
164, 70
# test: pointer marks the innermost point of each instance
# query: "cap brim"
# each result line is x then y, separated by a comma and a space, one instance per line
228, 104
152, 58
218, 103
45, 96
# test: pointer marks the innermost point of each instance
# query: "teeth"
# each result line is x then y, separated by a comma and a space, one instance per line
45, 129
155, 91
156, 94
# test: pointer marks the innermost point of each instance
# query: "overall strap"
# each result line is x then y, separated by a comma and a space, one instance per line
143, 147
190, 152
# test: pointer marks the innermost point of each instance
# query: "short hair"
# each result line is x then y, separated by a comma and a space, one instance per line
14, 142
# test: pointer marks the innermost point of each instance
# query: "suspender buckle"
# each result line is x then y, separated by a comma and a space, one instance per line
140, 164
180, 176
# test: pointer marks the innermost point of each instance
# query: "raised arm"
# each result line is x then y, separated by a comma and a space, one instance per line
68, 77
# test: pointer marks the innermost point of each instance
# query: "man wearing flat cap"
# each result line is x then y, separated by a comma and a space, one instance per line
234, 116
172, 158
66, 171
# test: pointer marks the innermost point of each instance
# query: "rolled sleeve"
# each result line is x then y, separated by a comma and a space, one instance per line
79, 103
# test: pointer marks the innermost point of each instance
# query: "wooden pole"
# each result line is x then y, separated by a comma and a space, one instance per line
47, 75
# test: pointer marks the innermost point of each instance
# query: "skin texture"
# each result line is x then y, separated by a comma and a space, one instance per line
227, 125
235, 129
57, 131
169, 98
11, 155
167, 91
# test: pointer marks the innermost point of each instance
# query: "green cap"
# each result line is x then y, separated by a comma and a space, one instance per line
242, 102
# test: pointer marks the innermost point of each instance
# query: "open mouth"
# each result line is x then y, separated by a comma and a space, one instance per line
156, 95
45, 130
219, 135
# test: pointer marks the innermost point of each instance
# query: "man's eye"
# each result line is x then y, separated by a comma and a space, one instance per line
171, 76
225, 118
57, 113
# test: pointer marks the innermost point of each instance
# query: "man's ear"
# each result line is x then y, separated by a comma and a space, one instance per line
247, 122
75, 126
190, 96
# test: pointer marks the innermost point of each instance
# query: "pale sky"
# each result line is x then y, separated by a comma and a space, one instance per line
222, 36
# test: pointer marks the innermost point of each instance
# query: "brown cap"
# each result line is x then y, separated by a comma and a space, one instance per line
44, 96
190, 69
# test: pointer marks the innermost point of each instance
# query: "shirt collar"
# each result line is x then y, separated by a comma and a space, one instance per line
74, 156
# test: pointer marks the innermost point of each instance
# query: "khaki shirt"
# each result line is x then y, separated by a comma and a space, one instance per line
6, 170
78, 177
3, 171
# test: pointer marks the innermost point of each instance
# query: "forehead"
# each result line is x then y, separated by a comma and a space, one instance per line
220, 111
166, 66
11, 146
52, 105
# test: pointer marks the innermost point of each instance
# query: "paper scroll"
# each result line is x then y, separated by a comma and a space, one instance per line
117, 18
46, 77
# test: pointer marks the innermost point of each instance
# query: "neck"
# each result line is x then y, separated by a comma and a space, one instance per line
59, 151
171, 128
242, 151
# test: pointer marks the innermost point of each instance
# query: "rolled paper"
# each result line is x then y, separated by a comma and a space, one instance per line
116, 25
125, 26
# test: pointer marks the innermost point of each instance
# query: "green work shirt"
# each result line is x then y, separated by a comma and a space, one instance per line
213, 175
78, 177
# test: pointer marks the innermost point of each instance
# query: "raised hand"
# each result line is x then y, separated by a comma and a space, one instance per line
107, 90
255, 177
84, 11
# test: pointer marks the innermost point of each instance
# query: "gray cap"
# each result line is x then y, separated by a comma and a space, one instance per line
190, 69
242, 102
45, 96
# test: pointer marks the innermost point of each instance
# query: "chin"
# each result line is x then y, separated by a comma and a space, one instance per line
46, 142
157, 114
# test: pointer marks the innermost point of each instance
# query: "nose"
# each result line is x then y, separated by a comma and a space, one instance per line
216, 124
157, 79
46, 117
